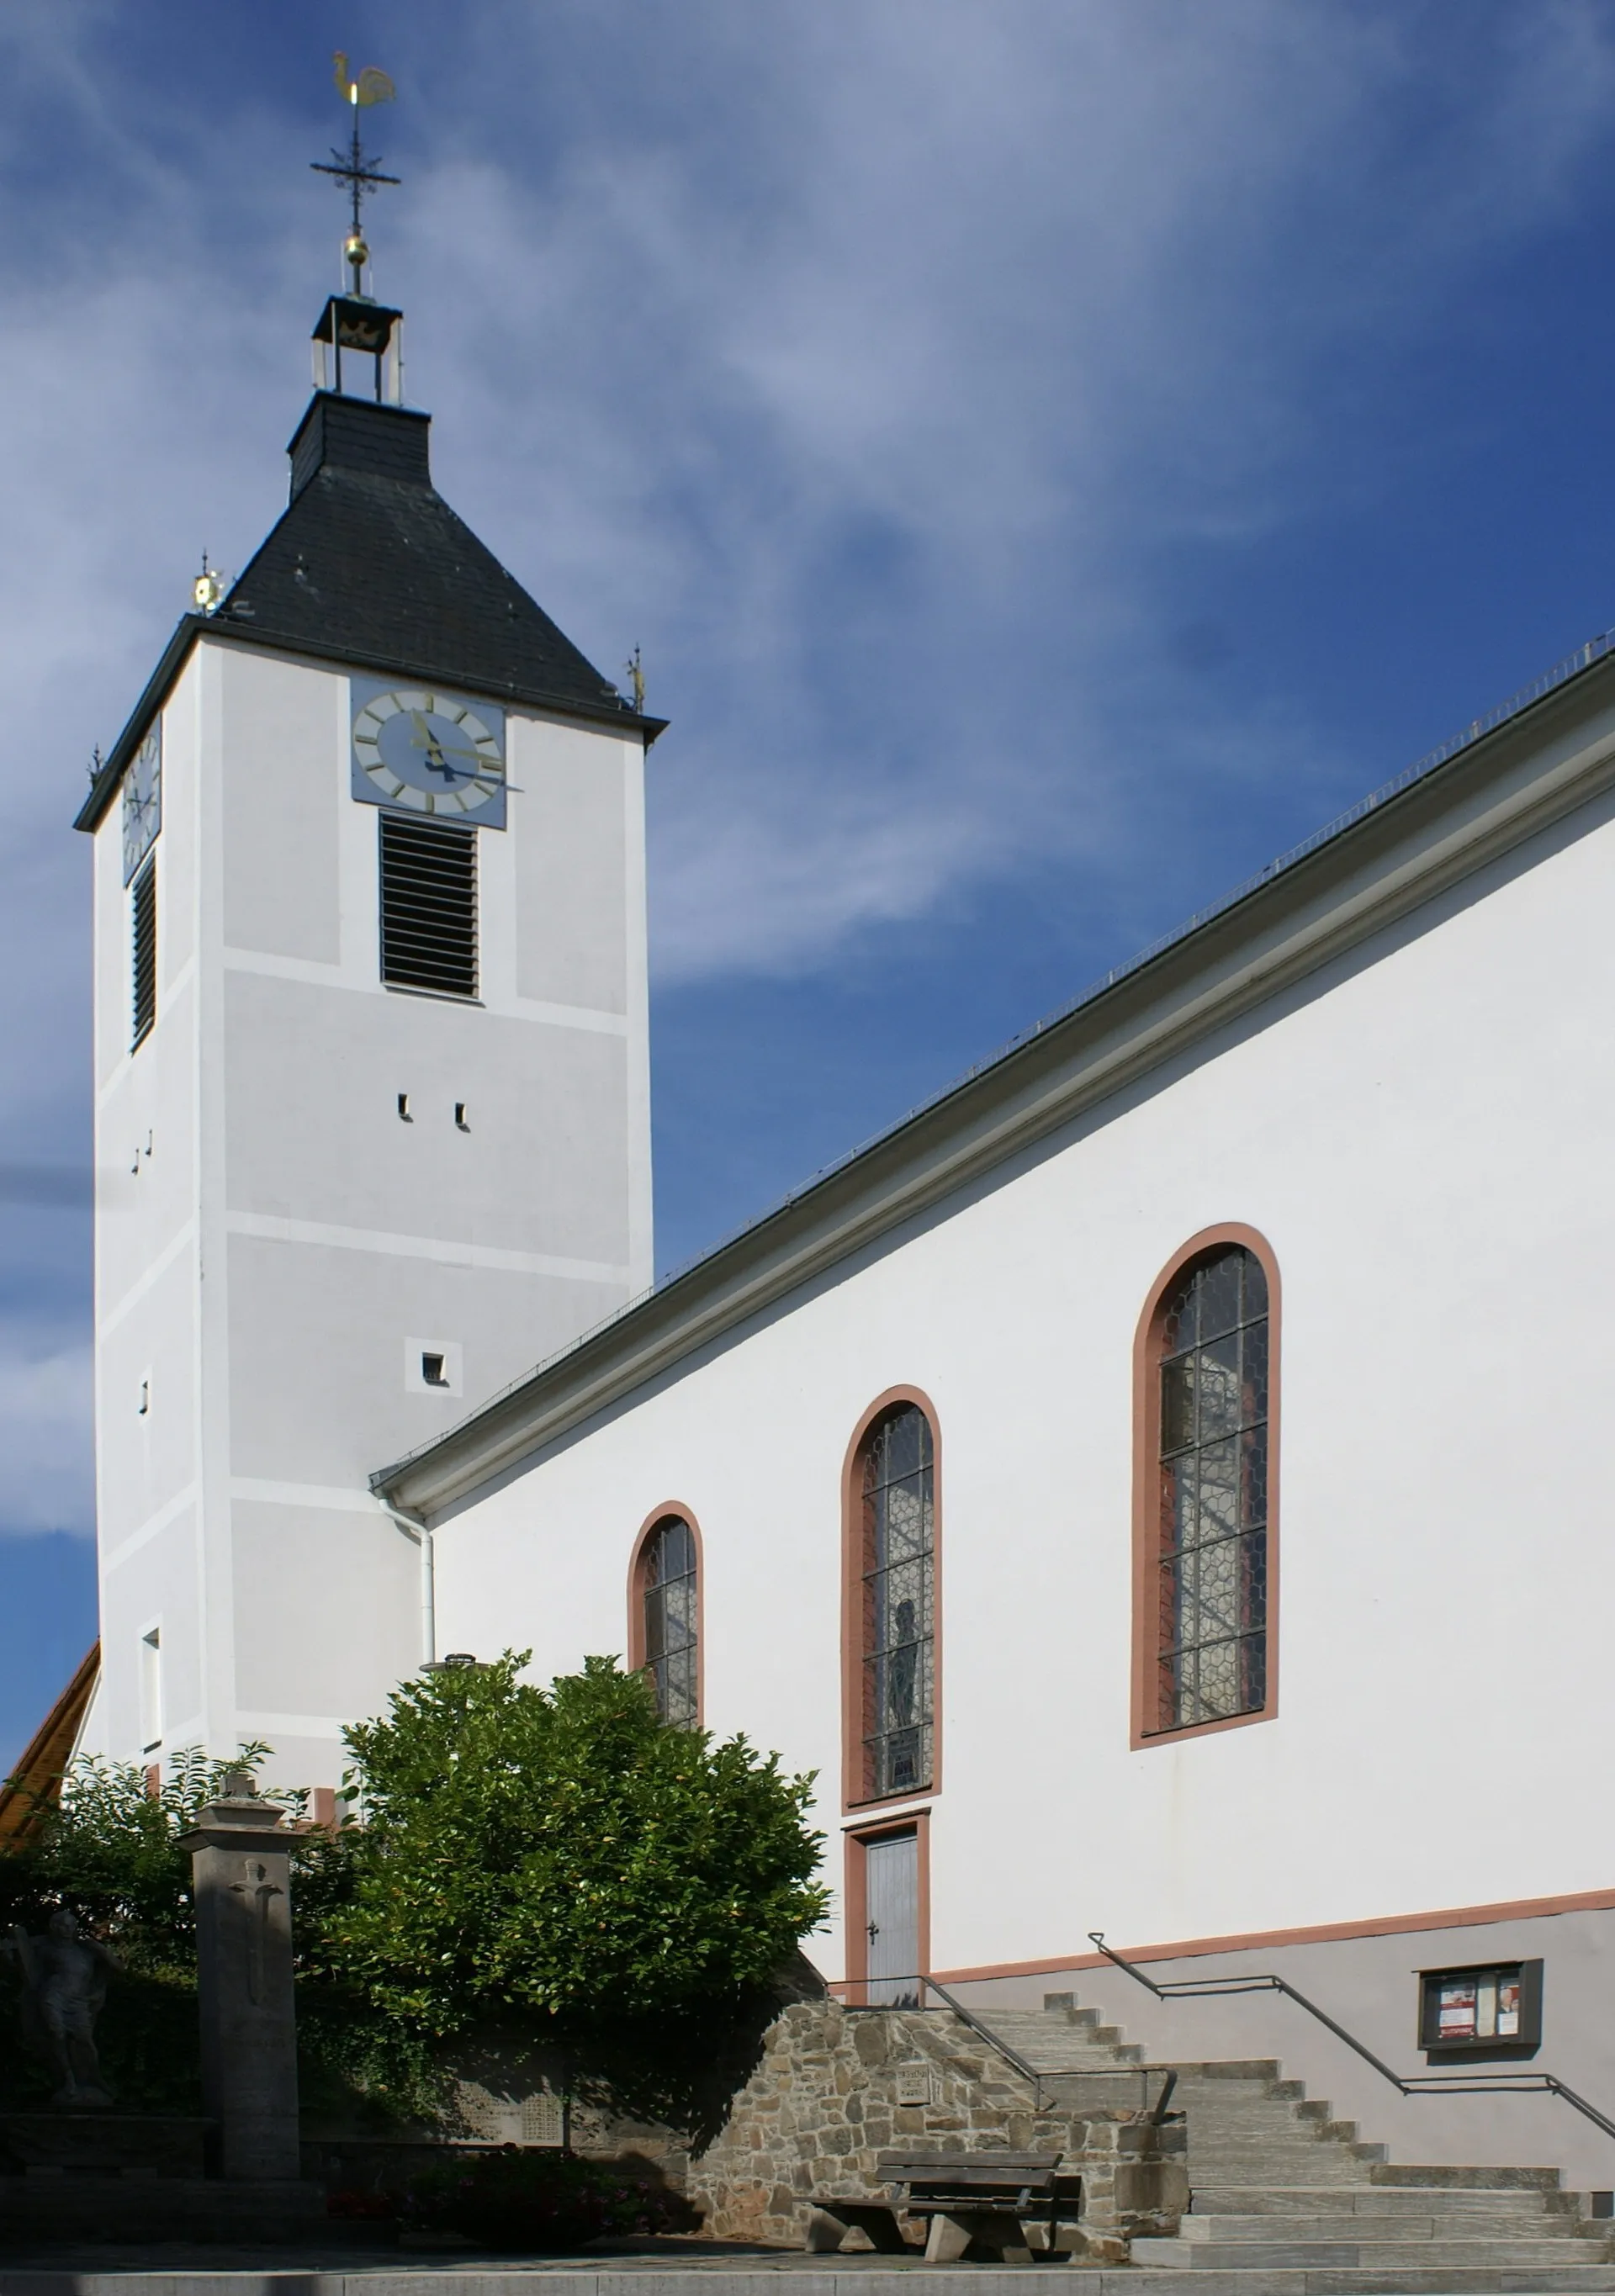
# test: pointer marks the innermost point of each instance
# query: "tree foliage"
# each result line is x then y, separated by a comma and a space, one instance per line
557, 1859
564, 1851
110, 1851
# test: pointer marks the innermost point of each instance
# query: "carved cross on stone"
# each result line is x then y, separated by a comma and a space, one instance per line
242, 1877
260, 1887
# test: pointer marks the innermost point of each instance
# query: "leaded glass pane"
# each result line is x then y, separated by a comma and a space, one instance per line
668, 1578
1218, 1284
1213, 1569
1176, 1405
899, 1578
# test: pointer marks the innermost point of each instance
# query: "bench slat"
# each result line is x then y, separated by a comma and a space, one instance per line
968, 2180
1013, 2180
927, 2161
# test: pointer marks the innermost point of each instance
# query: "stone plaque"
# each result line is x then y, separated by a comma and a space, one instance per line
914, 2085
542, 2119
536, 2118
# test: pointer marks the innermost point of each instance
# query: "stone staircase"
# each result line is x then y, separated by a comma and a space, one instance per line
1287, 2200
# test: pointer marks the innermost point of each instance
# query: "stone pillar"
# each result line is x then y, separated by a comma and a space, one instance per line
242, 1872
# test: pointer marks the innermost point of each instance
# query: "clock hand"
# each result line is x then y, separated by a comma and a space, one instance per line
425, 739
440, 759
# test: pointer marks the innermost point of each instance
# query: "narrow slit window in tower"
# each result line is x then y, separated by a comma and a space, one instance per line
150, 1689
144, 917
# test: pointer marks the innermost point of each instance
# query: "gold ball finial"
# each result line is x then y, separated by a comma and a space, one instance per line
355, 251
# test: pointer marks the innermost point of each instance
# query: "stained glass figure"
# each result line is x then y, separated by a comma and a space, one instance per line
667, 1581
899, 1584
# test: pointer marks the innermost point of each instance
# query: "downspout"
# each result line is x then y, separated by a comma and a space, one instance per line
413, 1528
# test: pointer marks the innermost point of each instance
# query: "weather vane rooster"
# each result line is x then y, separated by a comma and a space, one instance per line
353, 168
371, 87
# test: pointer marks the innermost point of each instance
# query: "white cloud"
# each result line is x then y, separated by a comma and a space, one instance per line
866, 364
45, 1434
873, 365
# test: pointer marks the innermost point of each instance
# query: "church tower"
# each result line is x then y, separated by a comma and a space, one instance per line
372, 1073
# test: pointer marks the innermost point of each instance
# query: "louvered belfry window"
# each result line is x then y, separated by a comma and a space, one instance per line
1211, 1634
428, 905
143, 921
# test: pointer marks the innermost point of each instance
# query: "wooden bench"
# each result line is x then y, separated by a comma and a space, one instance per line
980, 2203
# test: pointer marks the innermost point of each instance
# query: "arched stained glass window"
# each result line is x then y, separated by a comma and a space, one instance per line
897, 1487
668, 1619
1210, 1621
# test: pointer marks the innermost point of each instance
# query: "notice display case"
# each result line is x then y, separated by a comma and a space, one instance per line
1492, 2009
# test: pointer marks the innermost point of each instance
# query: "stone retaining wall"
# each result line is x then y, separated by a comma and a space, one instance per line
835, 2087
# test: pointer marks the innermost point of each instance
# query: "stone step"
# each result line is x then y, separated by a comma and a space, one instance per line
1326, 2164
1070, 2057
1318, 2224
1221, 2069
1308, 2255
1277, 2124
1039, 2020
1399, 2172
1303, 2176
1390, 2202
1445, 2280
1282, 2140
1209, 2146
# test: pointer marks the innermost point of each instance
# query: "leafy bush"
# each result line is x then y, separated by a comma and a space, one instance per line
556, 1858
517, 2199
110, 1851
564, 1851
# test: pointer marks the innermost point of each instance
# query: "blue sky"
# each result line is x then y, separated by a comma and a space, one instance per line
1053, 455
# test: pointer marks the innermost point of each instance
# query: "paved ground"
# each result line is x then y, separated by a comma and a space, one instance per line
328, 2258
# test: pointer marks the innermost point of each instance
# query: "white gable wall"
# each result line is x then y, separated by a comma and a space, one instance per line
1424, 1141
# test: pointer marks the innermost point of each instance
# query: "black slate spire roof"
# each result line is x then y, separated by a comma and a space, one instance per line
370, 561
368, 565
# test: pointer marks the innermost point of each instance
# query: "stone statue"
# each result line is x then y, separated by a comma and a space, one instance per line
64, 1980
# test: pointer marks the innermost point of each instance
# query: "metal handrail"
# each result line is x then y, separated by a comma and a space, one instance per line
1013, 2056
1459, 2084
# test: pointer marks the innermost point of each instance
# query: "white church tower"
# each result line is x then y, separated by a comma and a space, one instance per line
371, 1074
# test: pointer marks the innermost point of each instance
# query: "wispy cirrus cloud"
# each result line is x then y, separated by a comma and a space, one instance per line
914, 382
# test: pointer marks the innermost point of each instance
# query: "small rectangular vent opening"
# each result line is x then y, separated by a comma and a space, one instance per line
432, 1372
144, 912
428, 905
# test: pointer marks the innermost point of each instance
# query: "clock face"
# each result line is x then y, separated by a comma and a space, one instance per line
142, 801
428, 751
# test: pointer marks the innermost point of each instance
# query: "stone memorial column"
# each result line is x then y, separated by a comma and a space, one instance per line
240, 1865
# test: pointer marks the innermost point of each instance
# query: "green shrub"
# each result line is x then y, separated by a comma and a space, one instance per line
558, 1860
564, 1852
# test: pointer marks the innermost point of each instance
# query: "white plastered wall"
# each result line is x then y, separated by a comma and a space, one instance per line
290, 1230
1423, 1135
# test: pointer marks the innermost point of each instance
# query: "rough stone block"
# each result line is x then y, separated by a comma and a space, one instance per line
870, 2039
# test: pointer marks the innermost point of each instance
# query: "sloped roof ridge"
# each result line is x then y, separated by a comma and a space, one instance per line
1569, 666
1561, 672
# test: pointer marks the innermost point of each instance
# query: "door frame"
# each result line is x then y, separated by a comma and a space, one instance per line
856, 1896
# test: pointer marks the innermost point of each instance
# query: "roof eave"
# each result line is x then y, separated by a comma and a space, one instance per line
223, 625
157, 688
